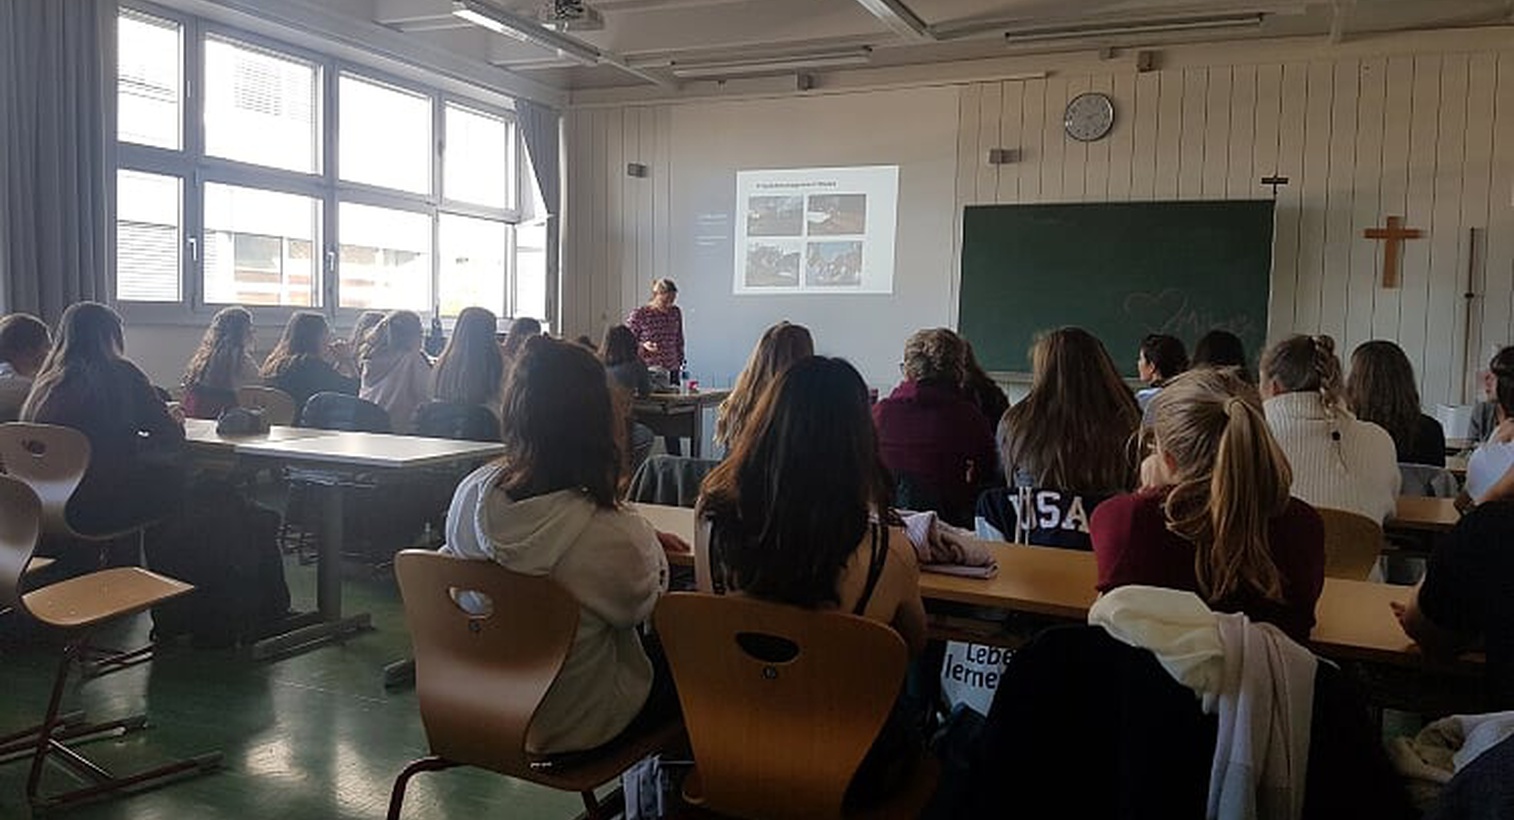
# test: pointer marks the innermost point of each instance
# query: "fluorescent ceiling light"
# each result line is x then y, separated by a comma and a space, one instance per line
899, 18
525, 29
771, 66
1031, 35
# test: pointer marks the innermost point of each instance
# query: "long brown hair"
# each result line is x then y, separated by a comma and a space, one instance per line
471, 369
618, 347
398, 333
1306, 364
1231, 479
1381, 389
780, 346
304, 338
222, 350
89, 342
558, 424
788, 507
1074, 430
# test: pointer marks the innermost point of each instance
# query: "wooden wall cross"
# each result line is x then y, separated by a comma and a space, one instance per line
1394, 235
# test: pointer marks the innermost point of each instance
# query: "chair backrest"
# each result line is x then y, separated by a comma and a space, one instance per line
667, 479
1352, 544
781, 703
50, 459
449, 419
479, 678
1427, 480
277, 406
20, 526
339, 411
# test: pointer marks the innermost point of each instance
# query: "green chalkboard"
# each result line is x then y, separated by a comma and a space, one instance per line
1121, 270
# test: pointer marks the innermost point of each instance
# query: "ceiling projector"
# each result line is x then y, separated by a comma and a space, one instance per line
569, 15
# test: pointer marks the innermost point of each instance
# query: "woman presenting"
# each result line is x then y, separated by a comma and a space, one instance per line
658, 326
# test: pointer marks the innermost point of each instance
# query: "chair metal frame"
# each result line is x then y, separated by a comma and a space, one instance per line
480, 678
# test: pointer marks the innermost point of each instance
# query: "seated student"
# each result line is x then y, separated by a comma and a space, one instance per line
222, 364
1467, 597
396, 375
547, 507
1220, 523
24, 345
983, 390
471, 370
1160, 359
774, 524
1071, 435
87, 383
1381, 389
521, 330
306, 361
1338, 461
931, 434
780, 346
1489, 473
1485, 412
366, 322
622, 361
1221, 348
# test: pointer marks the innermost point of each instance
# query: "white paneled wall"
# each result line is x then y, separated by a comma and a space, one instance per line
1426, 137
1429, 137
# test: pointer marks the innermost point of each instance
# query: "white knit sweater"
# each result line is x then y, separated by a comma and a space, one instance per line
1356, 471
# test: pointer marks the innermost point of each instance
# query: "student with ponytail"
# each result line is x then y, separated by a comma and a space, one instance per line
1218, 520
1338, 461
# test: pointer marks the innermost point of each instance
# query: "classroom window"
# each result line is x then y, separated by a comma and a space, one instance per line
149, 60
385, 258
149, 216
385, 135
261, 107
260, 247
234, 190
478, 158
474, 262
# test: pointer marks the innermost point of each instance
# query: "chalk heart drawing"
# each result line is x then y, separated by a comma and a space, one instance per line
1171, 311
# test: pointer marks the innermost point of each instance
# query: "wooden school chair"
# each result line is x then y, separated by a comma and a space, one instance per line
52, 460
77, 607
277, 406
782, 704
479, 679
1353, 543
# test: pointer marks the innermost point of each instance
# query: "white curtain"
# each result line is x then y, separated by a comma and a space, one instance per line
57, 153
540, 128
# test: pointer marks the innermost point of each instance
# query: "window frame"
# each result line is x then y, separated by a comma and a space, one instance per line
195, 169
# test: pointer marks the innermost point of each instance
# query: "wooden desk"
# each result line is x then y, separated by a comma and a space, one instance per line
678, 415
1354, 621
1417, 514
335, 459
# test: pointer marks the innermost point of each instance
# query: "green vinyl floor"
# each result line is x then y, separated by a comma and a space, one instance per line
315, 735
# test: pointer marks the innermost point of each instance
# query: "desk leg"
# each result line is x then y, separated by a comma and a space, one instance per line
328, 590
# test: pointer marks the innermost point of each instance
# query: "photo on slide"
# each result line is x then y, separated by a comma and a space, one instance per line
775, 216
833, 265
772, 264
836, 214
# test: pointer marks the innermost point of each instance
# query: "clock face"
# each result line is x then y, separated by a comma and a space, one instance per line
1089, 117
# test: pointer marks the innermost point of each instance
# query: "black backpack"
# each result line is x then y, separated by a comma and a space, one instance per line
227, 546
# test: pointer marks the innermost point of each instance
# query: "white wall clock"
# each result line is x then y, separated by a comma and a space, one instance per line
1089, 117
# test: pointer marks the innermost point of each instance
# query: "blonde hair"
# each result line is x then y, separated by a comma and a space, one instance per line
1230, 480
937, 353
780, 346
1306, 364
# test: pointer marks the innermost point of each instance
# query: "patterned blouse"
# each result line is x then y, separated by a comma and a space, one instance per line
665, 327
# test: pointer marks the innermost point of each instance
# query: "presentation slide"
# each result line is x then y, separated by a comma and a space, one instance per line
816, 230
